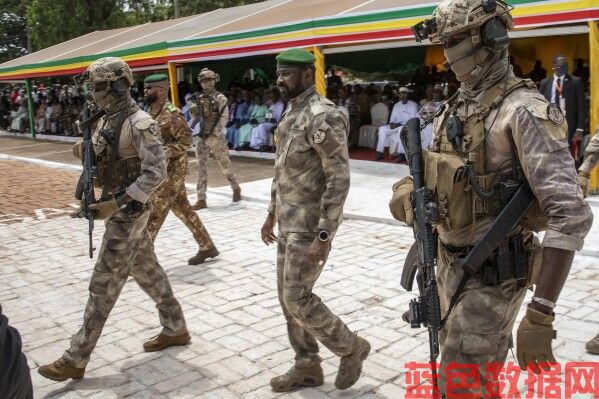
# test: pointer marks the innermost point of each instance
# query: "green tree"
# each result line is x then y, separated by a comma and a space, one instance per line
13, 29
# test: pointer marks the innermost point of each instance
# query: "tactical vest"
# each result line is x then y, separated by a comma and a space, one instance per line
210, 109
457, 179
127, 165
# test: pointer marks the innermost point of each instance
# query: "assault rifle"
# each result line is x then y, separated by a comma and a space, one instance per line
85, 187
426, 310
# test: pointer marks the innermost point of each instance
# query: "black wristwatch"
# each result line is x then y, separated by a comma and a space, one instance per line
324, 235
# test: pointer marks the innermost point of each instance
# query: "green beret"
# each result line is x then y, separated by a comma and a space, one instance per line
157, 77
295, 56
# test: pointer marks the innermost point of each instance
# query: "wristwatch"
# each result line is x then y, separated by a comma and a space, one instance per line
120, 201
324, 235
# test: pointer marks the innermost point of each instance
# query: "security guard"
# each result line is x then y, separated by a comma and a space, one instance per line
308, 192
591, 158
214, 114
176, 140
496, 129
131, 165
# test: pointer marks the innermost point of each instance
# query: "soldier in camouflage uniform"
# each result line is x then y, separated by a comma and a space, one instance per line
505, 122
127, 248
308, 192
176, 139
591, 158
212, 106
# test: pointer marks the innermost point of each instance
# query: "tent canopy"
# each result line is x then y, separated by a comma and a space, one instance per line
263, 28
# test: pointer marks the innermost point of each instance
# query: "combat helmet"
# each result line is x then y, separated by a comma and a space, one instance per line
108, 69
206, 74
471, 16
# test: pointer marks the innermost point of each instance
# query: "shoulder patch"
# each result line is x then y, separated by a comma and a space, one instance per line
554, 114
170, 107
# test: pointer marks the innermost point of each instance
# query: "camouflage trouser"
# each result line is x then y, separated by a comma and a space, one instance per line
172, 195
479, 329
308, 319
127, 249
218, 146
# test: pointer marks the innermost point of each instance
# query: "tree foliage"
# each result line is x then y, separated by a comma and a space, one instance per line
190, 7
13, 29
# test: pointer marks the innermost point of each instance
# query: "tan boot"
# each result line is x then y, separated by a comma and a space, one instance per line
162, 341
593, 345
298, 376
200, 204
350, 366
61, 370
201, 256
237, 195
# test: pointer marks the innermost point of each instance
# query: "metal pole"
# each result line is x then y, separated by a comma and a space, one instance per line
30, 108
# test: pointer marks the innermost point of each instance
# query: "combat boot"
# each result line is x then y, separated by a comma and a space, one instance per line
593, 345
161, 341
201, 256
350, 366
237, 195
300, 375
61, 370
200, 204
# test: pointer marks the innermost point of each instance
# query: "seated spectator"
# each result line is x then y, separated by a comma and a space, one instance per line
257, 116
19, 117
262, 135
428, 110
241, 116
347, 101
428, 95
40, 117
380, 116
403, 111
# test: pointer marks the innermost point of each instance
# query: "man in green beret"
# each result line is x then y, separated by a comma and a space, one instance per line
172, 195
308, 192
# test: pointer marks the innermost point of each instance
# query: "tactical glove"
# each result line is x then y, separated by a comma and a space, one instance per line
534, 340
78, 149
105, 209
401, 205
583, 179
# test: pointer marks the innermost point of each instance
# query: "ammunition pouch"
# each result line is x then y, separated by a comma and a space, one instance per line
512, 260
125, 172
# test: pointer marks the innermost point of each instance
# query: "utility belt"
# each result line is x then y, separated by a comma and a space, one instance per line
510, 261
126, 171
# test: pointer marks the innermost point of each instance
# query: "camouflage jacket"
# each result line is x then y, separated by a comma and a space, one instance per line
542, 148
140, 136
312, 165
175, 133
591, 155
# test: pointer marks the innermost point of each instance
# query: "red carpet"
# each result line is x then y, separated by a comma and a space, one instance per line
366, 154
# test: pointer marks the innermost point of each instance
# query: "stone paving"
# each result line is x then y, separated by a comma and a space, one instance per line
238, 332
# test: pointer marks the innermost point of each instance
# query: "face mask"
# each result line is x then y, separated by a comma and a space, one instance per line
465, 60
208, 85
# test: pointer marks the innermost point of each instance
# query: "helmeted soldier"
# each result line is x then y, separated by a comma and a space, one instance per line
496, 129
172, 195
131, 165
308, 192
213, 112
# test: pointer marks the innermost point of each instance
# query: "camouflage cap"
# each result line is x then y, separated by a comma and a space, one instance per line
295, 56
155, 78
206, 74
108, 69
457, 16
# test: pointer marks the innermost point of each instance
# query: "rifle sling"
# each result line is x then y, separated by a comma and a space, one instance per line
114, 150
220, 113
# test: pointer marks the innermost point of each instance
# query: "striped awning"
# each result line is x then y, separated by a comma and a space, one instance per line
264, 28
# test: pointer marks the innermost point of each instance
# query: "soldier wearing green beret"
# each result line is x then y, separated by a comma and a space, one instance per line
308, 192
172, 195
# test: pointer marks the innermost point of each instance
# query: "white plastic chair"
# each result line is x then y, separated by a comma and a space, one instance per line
369, 133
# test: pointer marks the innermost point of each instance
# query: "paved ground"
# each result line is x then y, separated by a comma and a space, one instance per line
239, 337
